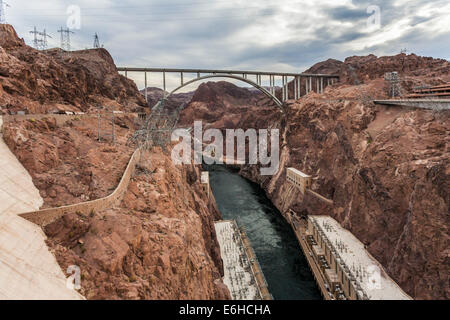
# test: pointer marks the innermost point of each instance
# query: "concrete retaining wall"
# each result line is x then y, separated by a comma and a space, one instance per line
47, 216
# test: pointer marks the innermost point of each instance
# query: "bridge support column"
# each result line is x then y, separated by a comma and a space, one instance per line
310, 84
295, 88
145, 83
286, 90
282, 89
321, 84
182, 79
270, 84
164, 84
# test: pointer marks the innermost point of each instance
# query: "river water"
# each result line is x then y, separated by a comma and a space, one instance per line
274, 242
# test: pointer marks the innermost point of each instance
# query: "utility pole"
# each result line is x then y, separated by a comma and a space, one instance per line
96, 41
65, 38
3, 6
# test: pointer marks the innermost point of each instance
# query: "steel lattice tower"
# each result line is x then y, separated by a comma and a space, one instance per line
96, 41
65, 38
40, 39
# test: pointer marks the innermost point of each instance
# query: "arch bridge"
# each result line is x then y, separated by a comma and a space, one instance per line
310, 82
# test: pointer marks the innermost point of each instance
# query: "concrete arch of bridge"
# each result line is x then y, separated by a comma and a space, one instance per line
254, 84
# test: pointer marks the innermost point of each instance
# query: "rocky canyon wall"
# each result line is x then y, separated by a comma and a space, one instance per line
54, 80
385, 168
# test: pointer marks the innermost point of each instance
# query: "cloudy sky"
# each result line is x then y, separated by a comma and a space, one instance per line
269, 35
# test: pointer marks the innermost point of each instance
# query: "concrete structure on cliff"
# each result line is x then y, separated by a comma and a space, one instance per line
28, 270
243, 275
311, 82
348, 270
341, 265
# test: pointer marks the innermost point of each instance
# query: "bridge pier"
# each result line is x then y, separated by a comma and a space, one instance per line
146, 95
299, 83
295, 89
164, 84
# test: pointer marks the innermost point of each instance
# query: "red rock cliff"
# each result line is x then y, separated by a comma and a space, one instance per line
45, 81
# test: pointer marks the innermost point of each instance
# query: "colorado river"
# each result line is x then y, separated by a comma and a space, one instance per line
282, 261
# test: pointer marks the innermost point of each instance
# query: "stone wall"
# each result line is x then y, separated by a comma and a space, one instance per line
47, 216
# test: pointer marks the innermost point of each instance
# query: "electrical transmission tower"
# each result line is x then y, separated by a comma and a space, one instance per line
158, 127
40, 39
3, 6
96, 41
394, 83
65, 38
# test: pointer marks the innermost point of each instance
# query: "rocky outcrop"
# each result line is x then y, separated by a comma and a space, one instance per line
221, 104
48, 81
67, 163
414, 70
159, 243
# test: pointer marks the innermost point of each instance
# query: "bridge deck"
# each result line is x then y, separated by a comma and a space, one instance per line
217, 71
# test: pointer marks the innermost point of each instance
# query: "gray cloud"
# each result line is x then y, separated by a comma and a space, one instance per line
288, 35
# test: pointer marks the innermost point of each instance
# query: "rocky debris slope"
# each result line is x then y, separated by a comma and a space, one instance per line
47, 81
159, 243
385, 168
67, 163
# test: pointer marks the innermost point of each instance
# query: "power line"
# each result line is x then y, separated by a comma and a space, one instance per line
40, 39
